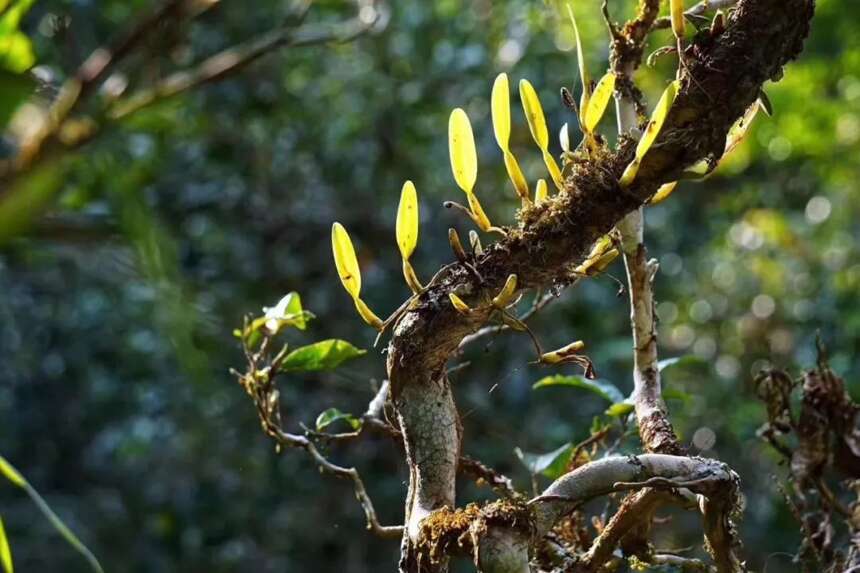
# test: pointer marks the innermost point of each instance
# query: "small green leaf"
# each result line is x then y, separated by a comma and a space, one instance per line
551, 465
619, 409
685, 361
602, 388
5, 551
323, 355
332, 415
675, 394
288, 312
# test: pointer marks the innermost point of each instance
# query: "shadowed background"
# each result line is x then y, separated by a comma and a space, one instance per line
116, 308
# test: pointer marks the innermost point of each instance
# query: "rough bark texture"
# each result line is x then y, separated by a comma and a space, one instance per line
761, 36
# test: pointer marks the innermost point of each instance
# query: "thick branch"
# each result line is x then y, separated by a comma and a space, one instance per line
761, 36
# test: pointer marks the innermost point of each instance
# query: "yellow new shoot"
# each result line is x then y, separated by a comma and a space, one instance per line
5, 551
461, 146
345, 260
652, 130
541, 192
458, 304
537, 126
505, 295
596, 107
663, 192
583, 71
562, 354
478, 215
406, 228
676, 8
367, 314
500, 102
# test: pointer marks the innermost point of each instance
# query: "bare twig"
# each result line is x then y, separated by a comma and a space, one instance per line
294, 441
651, 412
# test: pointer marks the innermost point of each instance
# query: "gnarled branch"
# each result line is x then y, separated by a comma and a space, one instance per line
721, 79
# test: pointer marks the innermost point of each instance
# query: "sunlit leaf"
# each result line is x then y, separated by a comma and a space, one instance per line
534, 114
10, 473
580, 57
407, 220
332, 415
562, 354
288, 312
14, 476
506, 294
602, 388
658, 117
366, 314
597, 103
411, 278
688, 360
501, 110
541, 191
740, 127
5, 551
554, 171
652, 130
16, 52
478, 214
516, 176
551, 465
676, 11
619, 409
461, 147
323, 355
345, 260
458, 304
663, 192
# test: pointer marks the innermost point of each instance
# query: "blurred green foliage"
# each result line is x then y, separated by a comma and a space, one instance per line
117, 307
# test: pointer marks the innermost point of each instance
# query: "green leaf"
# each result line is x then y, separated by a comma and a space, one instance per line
619, 409
16, 52
675, 394
14, 90
602, 388
323, 355
332, 415
687, 360
5, 551
13, 475
551, 465
288, 312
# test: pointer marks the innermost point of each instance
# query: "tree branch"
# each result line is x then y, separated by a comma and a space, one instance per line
716, 88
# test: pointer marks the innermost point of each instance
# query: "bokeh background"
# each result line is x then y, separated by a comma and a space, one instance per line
117, 306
